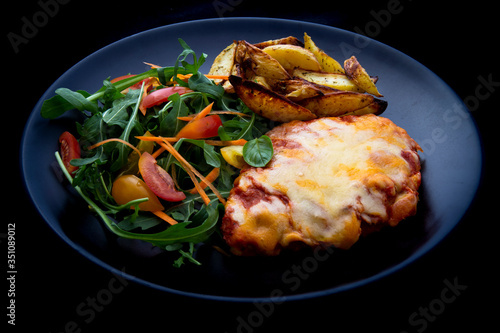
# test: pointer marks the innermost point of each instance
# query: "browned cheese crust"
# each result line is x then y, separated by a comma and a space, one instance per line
330, 180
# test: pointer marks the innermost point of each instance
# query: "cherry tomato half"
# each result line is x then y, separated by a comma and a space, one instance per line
161, 95
129, 187
69, 149
158, 180
205, 127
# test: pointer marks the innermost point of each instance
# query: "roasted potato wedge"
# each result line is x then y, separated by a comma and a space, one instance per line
339, 103
327, 63
359, 76
286, 40
333, 80
377, 107
283, 81
296, 89
292, 56
267, 103
259, 62
223, 65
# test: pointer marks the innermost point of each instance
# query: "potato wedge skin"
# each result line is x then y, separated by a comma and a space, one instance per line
296, 89
339, 103
292, 56
290, 40
267, 103
359, 76
259, 62
333, 80
376, 108
327, 63
223, 63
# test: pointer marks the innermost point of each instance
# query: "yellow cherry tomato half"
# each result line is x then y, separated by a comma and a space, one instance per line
129, 187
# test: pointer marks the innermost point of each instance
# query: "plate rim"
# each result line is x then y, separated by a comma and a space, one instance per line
417, 255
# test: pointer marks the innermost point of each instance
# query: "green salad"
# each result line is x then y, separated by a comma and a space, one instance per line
158, 152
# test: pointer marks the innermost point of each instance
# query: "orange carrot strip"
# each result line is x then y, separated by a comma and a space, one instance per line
211, 177
188, 118
151, 65
164, 217
239, 142
116, 140
217, 77
203, 112
189, 168
234, 113
157, 139
148, 84
158, 152
209, 76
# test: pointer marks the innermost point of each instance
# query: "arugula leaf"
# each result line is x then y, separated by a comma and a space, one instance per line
211, 157
118, 114
201, 83
123, 150
78, 100
58, 105
169, 124
258, 152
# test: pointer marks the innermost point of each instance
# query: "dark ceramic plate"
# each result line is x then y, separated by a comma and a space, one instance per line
419, 101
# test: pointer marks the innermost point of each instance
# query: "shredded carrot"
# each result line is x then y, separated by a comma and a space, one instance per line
211, 177
202, 113
192, 172
184, 77
188, 168
158, 139
239, 142
115, 140
164, 217
187, 118
151, 65
148, 83
234, 113
158, 152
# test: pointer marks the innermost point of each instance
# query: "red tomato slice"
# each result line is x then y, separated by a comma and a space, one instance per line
158, 180
69, 149
205, 127
161, 95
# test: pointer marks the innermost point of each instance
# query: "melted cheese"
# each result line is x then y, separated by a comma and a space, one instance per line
335, 174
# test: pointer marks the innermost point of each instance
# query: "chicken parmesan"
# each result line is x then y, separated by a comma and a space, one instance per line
330, 180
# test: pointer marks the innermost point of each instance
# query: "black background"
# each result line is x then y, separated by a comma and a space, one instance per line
456, 42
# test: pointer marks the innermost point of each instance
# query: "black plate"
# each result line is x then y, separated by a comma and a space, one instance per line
419, 101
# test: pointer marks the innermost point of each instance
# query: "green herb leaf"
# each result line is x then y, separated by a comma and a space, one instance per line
78, 100
258, 152
169, 124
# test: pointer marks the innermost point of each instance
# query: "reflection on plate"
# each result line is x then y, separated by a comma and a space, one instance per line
419, 102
